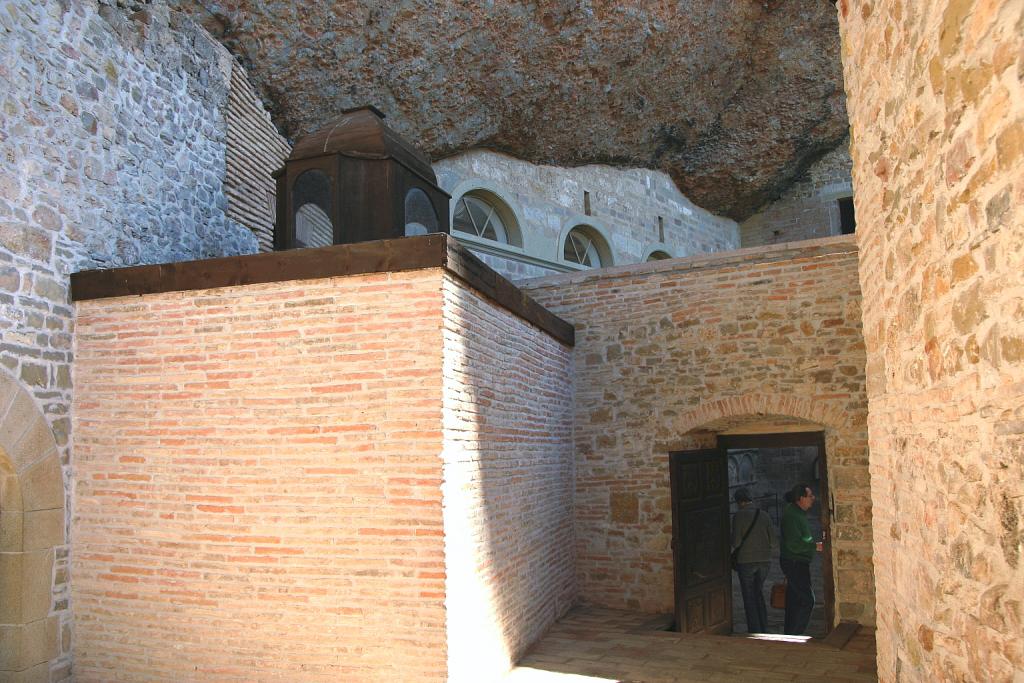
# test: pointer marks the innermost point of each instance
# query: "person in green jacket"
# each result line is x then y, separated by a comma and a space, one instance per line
798, 548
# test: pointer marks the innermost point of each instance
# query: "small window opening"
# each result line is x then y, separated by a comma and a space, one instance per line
586, 203
661, 230
847, 219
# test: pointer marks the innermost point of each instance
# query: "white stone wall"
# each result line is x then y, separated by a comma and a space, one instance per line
548, 200
112, 152
809, 208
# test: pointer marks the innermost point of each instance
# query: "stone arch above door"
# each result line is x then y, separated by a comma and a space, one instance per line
32, 526
761, 412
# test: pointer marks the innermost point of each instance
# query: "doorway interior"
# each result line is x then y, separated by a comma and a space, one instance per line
703, 482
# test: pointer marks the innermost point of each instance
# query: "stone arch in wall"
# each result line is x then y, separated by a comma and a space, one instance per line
655, 251
506, 208
846, 455
760, 414
595, 231
32, 526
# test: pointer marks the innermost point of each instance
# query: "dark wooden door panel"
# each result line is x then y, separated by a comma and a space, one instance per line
700, 541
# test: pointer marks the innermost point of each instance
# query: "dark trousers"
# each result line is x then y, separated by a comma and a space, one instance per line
752, 576
799, 596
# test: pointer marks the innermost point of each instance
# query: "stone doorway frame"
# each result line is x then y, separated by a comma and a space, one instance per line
846, 446
32, 526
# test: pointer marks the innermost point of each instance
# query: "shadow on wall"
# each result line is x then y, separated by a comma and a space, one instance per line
508, 478
32, 525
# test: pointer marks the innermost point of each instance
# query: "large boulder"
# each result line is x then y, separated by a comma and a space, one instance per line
733, 98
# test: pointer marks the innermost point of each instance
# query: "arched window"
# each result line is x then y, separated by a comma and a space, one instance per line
482, 214
311, 197
584, 246
658, 255
420, 218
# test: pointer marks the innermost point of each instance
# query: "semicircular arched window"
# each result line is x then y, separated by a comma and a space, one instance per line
585, 247
658, 256
420, 218
481, 217
311, 197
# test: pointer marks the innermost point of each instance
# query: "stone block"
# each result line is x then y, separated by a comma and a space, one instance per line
11, 533
44, 529
10, 648
10, 491
42, 486
39, 642
20, 415
624, 507
36, 584
34, 443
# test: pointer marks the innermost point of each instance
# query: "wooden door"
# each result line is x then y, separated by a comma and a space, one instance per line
700, 541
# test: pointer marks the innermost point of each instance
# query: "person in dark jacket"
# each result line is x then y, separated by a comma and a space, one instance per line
753, 558
798, 547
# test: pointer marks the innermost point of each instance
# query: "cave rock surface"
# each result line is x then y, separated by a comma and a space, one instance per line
732, 98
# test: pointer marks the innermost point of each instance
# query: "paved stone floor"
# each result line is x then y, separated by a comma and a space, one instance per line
597, 645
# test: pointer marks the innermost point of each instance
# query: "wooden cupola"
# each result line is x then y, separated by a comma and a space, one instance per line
356, 180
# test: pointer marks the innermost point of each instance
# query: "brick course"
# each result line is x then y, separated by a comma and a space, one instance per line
669, 353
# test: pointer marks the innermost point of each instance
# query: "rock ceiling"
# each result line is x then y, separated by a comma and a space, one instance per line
732, 98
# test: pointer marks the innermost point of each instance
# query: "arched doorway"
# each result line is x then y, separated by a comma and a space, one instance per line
749, 423
32, 525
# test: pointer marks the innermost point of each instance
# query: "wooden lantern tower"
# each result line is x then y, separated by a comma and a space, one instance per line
356, 180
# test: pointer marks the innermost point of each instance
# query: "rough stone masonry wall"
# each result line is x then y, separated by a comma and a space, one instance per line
808, 209
111, 152
508, 481
625, 206
666, 348
936, 100
257, 483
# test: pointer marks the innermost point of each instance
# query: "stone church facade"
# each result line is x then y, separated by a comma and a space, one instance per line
136, 519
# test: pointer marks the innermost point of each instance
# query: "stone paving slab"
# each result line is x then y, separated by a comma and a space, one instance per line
595, 645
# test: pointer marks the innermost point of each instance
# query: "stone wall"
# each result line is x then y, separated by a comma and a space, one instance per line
508, 481
547, 201
257, 482
112, 151
254, 150
808, 209
936, 101
767, 337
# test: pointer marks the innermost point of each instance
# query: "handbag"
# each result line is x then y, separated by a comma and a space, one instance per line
735, 554
778, 598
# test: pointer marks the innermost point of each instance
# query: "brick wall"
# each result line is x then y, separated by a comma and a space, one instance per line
935, 91
667, 349
257, 483
508, 472
809, 208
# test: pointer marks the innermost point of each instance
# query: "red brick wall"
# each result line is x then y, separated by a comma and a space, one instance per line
706, 344
508, 484
257, 483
